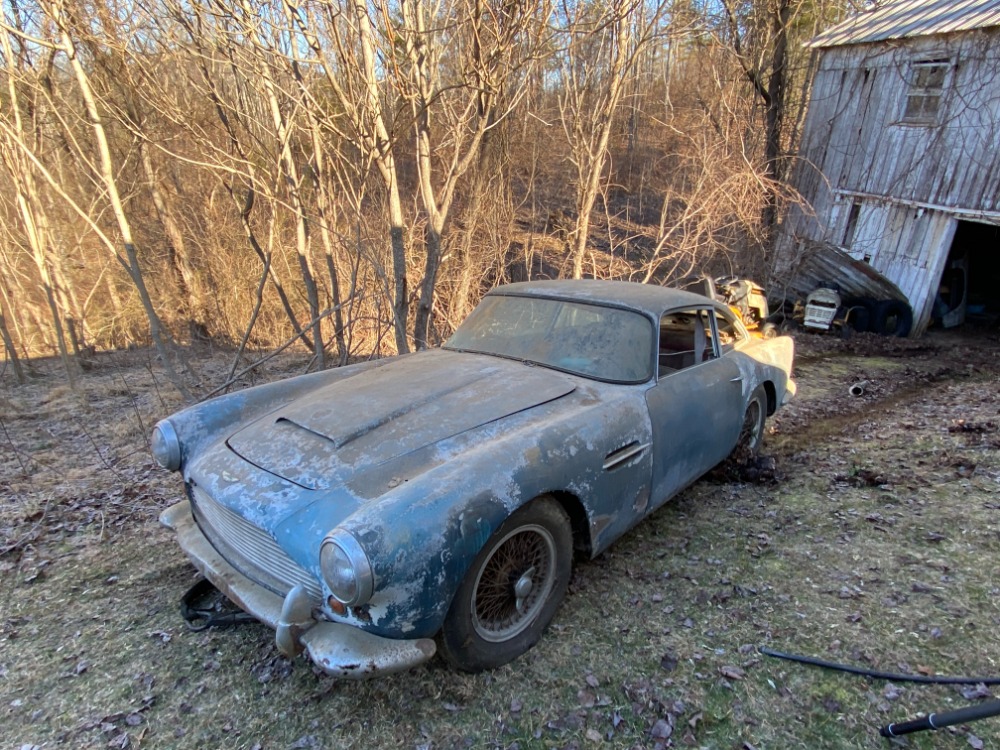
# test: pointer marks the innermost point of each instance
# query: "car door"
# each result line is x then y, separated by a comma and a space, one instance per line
696, 405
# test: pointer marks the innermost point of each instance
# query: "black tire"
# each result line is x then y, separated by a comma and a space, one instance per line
752, 430
782, 323
892, 317
490, 622
859, 315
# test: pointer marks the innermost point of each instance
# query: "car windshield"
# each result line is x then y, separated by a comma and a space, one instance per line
604, 343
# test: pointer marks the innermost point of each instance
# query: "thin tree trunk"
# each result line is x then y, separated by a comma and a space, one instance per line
776, 86
265, 259
466, 133
8, 343
363, 106
425, 306
30, 208
386, 163
33, 224
323, 203
460, 299
188, 282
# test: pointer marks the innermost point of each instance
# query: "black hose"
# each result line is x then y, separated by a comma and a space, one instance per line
891, 676
939, 721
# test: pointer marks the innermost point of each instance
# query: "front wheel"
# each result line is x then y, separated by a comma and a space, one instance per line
512, 589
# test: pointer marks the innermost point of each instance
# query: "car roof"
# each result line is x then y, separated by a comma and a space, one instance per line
647, 298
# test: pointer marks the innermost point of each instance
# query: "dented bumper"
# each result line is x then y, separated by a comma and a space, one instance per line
338, 649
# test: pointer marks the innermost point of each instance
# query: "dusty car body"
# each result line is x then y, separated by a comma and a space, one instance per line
377, 513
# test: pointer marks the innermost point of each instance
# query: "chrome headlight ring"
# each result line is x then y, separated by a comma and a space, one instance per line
346, 569
166, 446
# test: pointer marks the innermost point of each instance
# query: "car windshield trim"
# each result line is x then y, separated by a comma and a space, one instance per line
594, 340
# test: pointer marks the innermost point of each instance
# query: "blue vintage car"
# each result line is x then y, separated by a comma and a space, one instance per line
378, 513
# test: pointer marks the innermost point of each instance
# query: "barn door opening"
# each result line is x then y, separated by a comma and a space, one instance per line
969, 291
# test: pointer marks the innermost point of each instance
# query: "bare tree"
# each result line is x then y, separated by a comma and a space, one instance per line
762, 35
57, 12
236, 157
283, 131
489, 45
602, 41
347, 57
29, 205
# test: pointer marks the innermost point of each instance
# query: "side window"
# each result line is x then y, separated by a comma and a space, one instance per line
685, 340
729, 332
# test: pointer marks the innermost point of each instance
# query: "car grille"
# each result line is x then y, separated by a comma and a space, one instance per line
250, 550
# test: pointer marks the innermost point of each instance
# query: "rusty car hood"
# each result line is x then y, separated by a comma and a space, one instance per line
361, 424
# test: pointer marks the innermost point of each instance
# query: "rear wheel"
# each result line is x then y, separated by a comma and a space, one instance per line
512, 589
752, 430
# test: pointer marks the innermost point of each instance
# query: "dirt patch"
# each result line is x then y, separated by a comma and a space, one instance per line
869, 536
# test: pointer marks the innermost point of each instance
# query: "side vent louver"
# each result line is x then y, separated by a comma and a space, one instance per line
623, 455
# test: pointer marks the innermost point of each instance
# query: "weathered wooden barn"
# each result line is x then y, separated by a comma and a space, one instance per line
900, 160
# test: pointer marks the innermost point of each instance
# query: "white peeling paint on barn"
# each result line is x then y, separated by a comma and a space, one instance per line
900, 143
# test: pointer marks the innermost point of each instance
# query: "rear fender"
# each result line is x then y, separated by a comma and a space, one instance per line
777, 356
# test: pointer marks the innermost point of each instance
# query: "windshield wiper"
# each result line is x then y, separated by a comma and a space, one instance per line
522, 360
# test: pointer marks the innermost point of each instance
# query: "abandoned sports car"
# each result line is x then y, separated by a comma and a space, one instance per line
378, 513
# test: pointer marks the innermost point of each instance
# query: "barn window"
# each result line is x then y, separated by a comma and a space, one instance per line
923, 99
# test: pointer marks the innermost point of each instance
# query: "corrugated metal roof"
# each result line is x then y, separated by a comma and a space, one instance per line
908, 18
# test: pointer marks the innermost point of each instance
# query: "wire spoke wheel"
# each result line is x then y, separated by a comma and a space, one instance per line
514, 584
752, 431
511, 590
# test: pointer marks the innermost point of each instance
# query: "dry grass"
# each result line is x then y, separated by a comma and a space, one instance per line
876, 547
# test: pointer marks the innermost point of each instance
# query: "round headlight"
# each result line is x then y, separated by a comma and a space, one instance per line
165, 446
346, 569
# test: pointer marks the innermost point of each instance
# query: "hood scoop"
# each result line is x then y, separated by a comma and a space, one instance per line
324, 438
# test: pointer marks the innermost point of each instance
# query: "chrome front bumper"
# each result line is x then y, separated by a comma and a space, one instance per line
338, 649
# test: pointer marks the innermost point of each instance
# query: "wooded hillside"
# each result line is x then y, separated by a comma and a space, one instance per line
357, 173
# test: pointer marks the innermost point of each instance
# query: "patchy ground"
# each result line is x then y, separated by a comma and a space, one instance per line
871, 540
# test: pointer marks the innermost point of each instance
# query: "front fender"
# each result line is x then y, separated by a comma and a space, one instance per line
419, 554
422, 537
